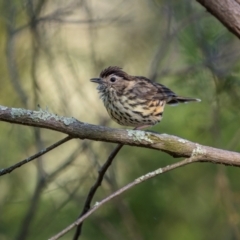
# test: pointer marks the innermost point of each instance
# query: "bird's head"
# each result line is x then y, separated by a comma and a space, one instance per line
111, 79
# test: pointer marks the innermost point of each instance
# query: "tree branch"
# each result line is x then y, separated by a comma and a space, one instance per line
125, 188
97, 184
29, 159
175, 146
226, 11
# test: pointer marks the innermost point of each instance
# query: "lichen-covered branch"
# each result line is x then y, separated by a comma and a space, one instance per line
173, 145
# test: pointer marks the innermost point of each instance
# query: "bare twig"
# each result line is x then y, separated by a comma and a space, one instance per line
125, 188
96, 185
29, 159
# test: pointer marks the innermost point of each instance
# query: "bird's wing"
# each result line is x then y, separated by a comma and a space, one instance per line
146, 89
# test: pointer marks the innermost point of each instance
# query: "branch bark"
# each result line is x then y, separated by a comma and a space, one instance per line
175, 146
124, 189
226, 11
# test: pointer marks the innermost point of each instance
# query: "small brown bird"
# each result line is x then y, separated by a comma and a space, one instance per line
134, 100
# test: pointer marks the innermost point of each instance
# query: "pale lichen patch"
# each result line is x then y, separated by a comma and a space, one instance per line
199, 150
149, 175
96, 204
17, 112
3, 108
41, 115
45, 115
139, 135
182, 140
159, 171
69, 120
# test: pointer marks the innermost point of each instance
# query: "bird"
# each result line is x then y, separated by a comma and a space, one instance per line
134, 101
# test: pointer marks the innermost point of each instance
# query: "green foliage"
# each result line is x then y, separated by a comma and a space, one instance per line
51, 61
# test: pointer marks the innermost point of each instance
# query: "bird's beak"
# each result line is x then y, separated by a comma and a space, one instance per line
96, 80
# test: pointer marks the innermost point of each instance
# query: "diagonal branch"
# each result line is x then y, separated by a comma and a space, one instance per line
226, 11
97, 184
125, 188
172, 145
29, 159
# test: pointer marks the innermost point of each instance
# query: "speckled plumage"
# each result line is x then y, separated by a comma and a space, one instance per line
134, 100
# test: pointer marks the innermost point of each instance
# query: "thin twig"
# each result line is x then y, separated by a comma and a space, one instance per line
42, 152
125, 188
97, 184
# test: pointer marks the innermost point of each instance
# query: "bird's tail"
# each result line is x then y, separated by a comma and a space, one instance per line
176, 100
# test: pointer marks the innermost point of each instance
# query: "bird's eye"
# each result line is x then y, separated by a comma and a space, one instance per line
112, 79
